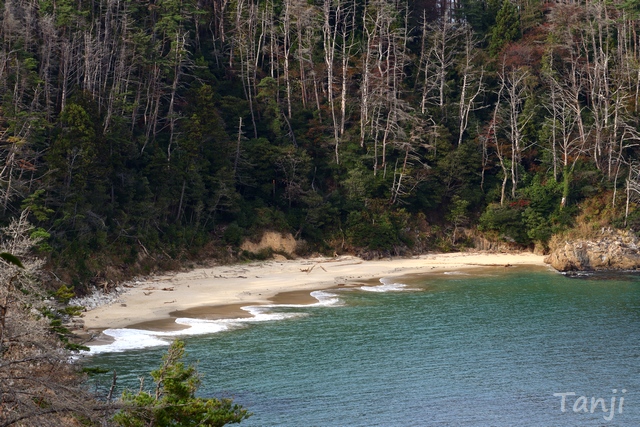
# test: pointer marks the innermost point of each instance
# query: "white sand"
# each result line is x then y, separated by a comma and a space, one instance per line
257, 282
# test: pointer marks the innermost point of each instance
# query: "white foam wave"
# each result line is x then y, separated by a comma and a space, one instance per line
326, 299
261, 313
201, 326
385, 287
130, 339
456, 273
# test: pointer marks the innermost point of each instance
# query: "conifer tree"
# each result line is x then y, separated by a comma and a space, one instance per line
507, 28
173, 402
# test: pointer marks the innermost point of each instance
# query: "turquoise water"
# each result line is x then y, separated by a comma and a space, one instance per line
488, 348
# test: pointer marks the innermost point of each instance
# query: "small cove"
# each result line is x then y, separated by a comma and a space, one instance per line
482, 347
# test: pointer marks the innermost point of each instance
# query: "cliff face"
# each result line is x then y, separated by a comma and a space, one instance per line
612, 250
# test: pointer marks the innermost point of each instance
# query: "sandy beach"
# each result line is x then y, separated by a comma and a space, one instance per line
221, 291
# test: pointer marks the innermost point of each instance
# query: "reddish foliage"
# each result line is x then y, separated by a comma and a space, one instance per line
519, 204
522, 54
25, 165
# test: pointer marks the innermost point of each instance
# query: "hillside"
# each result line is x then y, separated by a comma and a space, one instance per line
140, 134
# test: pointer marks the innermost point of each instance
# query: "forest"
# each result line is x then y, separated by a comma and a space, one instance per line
135, 135
144, 135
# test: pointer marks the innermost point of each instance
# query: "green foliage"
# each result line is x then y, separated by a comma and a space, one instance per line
456, 173
538, 226
530, 14
73, 159
356, 186
36, 204
62, 332
506, 222
64, 294
72, 310
173, 403
74, 347
94, 370
233, 234
269, 219
480, 15
378, 227
506, 29
261, 255
267, 96
177, 128
11, 259
541, 216
630, 6
535, 217
41, 236
457, 214
64, 11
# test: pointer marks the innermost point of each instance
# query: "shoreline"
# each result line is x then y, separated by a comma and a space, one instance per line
219, 292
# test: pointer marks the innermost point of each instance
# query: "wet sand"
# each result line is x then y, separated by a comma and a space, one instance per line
293, 297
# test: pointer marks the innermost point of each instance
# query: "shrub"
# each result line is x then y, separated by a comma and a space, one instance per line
506, 221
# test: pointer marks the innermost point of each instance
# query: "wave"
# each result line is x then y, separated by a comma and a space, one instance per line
131, 339
127, 339
325, 299
456, 273
386, 286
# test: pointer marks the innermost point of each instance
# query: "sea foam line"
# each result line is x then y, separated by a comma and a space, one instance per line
456, 273
386, 286
130, 339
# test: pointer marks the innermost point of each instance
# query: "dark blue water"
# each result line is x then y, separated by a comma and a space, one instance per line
489, 348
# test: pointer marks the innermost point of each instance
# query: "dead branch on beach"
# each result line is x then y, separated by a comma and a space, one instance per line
308, 270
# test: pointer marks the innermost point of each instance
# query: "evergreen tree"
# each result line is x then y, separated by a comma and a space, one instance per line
506, 29
173, 403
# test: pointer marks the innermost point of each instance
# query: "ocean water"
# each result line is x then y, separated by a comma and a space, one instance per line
487, 347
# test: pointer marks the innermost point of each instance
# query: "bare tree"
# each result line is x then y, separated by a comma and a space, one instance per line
472, 85
383, 111
39, 385
286, 46
513, 89
294, 164
565, 134
492, 137
596, 64
336, 24
629, 140
410, 168
246, 45
179, 61
632, 187
306, 21
16, 158
440, 48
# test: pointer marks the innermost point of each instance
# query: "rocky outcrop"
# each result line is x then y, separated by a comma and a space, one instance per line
271, 240
482, 242
611, 250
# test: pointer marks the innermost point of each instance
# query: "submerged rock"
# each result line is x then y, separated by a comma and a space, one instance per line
612, 250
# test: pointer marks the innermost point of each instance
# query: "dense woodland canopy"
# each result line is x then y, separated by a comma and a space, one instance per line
163, 129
